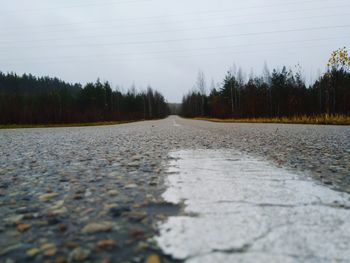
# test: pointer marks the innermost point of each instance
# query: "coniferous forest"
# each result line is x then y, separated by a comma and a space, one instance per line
276, 94
281, 93
30, 100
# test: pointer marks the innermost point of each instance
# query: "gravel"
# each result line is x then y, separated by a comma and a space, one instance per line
55, 184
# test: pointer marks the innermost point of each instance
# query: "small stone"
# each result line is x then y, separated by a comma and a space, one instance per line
97, 227
161, 217
137, 234
80, 254
23, 227
106, 243
136, 216
71, 245
113, 174
153, 259
28, 216
9, 249
87, 211
118, 211
41, 223
77, 197
133, 164
80, 191
88, 193
57, 205
113, 192
58, 212
27, 210
152, 183
62, 228
50, 252
61, 260
49, 249
141, 247
47, 246
130, 186
47, 197
109, 206
32, 252
14, 220
136, 158
53, 221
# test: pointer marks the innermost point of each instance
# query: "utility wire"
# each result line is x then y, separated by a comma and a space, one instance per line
220, 18
187, 39
137, 1
76, 6
177, 30
190, 13
116, 56
169, 15
226, 54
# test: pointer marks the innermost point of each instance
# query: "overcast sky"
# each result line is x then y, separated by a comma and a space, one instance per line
164, 43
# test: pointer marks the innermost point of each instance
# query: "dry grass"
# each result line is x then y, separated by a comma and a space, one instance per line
321, 119
22, 126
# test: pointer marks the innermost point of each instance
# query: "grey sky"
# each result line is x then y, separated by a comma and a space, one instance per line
164, 43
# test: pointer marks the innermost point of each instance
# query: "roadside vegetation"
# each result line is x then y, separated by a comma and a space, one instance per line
280, 96
61, 125
28, 101
322, 119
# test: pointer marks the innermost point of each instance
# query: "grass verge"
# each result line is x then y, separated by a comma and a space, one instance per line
321, 119
23, 126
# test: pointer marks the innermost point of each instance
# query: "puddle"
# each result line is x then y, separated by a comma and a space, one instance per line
242, 209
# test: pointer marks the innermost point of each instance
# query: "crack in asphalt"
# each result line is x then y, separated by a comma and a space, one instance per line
335, 206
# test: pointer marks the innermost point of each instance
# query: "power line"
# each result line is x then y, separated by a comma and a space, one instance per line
190, 13
337, 7
191, 39
76, 6
189, 56
178, 30
37, 59
293, 11
137, 1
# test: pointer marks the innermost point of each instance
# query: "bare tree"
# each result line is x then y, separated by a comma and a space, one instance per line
266, 74
201, 84
150, 97
267, 80
202, 87
240, 80
251, 74
212, 85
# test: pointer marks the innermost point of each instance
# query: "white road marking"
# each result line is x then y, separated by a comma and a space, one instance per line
242, 209
176, 124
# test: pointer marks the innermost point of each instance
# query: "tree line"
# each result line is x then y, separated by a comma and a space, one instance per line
28, 99
281, 93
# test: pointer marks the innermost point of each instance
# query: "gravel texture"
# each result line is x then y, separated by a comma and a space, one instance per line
93, 193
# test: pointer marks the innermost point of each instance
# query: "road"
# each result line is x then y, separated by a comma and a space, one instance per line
97, 193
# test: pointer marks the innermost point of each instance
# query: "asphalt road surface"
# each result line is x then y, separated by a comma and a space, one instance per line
118, 193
